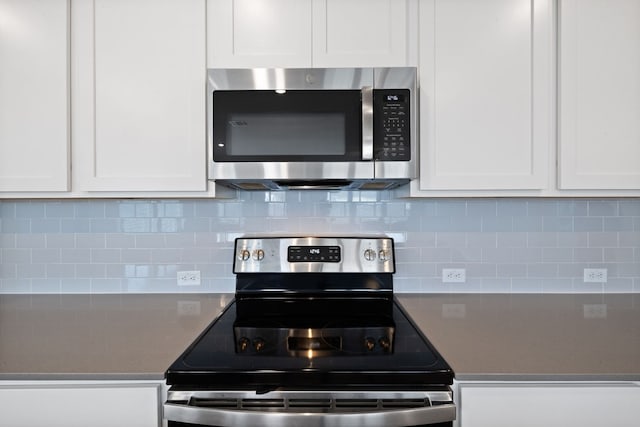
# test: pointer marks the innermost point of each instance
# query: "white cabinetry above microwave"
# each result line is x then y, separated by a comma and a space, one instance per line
306, 33
107, 98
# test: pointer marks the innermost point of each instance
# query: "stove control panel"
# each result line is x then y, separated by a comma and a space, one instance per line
314, 255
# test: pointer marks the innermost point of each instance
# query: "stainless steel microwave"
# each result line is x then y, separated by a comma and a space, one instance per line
329, 128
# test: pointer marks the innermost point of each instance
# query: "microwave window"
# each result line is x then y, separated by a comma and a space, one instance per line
286, 134
298, 125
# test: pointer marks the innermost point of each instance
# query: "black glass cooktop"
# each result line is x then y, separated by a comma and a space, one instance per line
212, 361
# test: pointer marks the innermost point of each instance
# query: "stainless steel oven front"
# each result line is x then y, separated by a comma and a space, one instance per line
283, 128
310, 409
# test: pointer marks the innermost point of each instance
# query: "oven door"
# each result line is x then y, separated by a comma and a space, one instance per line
310, 408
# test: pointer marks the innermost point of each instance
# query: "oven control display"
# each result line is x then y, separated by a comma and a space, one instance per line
313, 254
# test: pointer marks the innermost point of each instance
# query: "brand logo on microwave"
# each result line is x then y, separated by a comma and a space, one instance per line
238, 123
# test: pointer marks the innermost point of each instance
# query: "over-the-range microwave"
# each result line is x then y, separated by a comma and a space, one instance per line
329, 128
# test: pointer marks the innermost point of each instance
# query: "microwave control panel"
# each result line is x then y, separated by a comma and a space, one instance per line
391, 134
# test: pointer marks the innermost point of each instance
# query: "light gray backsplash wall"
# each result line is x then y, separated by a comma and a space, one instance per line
133, 246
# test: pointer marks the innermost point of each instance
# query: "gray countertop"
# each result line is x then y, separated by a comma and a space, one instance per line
482, 336
533, 337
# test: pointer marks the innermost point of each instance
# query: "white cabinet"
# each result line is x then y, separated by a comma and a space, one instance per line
486, 96
250, 33
357, 33
305, 33
80, 404
599, 94
138, 95
34, 95
549, 405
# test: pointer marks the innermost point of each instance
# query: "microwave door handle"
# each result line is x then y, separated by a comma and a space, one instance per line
367, 122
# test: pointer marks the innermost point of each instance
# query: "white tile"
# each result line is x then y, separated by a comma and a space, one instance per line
70, 255
16, 256
35, 240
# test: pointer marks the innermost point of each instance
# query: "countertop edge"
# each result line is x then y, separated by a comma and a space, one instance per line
85, 377
501, 377
476, 377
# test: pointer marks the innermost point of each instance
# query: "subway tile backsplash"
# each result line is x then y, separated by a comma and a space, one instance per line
134, 246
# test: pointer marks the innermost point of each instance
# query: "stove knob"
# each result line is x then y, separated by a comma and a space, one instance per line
258, 344
384, 255
244, 255
370, 343
258, 254
243, 343
369, 254
385, 344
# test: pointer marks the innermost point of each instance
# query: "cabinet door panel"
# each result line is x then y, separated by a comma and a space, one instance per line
358, 33
599, 85
73, 406
138, 95
34, 95
258, 33
549, 406
486, 94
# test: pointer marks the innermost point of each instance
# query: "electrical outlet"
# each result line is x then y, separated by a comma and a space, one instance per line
188, 308
454, 275
594, 311
595, 275
189, 278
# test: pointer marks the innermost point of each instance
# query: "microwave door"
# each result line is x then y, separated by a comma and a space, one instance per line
290, 126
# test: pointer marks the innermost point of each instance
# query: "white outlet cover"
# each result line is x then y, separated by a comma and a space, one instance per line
454, 275
595, 275
188, 278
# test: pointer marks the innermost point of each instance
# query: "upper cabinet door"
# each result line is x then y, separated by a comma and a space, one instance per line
486, 98
258, 33
360, 33
138, 95
34, 95
599, 89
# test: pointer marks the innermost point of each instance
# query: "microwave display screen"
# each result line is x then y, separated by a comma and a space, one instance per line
283, 134
394, 98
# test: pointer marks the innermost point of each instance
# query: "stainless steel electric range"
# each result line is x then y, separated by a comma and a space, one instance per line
313, 338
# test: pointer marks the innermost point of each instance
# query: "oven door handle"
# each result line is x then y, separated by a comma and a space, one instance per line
366, 94
236, 417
